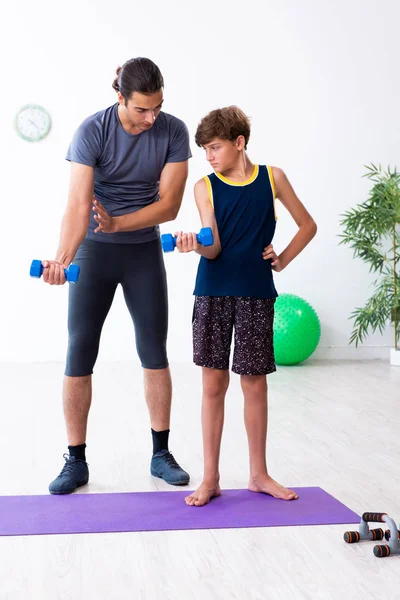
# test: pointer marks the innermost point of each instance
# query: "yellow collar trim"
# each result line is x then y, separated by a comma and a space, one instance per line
240, 183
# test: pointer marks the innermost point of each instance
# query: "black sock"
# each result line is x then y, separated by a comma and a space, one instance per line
78, 451
160, 440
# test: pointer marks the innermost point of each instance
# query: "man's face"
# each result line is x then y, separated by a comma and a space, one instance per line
142, 110
223, 154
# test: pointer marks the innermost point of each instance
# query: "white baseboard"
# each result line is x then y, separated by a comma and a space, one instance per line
352, 353
321, 353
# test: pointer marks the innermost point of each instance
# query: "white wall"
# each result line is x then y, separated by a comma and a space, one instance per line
318, 78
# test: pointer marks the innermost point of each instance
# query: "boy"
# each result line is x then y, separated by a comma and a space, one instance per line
235, 289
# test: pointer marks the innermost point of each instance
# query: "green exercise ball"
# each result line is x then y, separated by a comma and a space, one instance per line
297, 330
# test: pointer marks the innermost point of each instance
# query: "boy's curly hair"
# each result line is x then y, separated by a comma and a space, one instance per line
224, 123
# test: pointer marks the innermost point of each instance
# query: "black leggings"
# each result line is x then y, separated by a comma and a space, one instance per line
139, 268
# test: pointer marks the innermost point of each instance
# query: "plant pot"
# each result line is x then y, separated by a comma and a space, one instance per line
395, 357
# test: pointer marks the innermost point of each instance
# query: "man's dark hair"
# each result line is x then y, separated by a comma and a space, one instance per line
138, 75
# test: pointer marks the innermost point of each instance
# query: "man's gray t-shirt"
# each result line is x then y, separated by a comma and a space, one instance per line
127, 167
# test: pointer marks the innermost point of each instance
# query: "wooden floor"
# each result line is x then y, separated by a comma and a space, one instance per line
332, 424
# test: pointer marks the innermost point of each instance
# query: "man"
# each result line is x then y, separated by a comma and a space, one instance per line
134, 159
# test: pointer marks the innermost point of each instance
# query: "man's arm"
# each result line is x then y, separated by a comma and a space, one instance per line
303, 219
76, 218
172, 186
75, 222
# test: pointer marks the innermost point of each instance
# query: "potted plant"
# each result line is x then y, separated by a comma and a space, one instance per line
372, 229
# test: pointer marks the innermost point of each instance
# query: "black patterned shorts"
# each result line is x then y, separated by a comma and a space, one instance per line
215, 317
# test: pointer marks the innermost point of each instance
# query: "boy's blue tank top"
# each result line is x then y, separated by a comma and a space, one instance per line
246, 220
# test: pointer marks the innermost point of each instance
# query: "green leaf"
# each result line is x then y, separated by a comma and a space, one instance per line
372, 230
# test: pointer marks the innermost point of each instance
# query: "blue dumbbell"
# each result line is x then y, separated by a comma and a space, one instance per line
71, 274
205, 238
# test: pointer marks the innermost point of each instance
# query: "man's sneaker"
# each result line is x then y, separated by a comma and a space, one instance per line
164, 465
74, 474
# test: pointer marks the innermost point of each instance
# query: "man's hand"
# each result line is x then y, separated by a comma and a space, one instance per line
53, 272
186, 242
106, 223
269, 254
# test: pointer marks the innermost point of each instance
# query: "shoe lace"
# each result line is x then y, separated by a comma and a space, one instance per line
170, 460
69, 465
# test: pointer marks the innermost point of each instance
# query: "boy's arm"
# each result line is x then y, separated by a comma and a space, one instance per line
207, 217
306, 224
187, 242
172, 185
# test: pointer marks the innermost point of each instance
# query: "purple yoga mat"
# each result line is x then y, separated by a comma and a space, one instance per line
165, 511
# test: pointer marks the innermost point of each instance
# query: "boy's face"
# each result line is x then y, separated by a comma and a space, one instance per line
223, 155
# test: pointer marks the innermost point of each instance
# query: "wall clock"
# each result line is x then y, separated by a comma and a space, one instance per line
32, 122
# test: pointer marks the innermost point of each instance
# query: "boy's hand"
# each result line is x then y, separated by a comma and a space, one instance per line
269, 254
186, 242
106, 223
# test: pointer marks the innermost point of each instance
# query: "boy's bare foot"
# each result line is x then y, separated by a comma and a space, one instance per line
267, 485
203, 494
